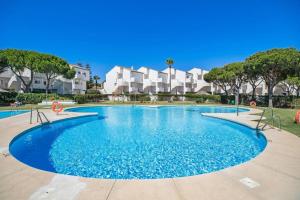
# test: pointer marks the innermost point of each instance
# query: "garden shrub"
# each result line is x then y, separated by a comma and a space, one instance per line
7, 97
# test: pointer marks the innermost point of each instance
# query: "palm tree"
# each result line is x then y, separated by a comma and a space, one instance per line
170, 62
96, 78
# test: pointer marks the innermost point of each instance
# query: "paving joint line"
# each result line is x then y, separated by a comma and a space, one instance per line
108, 195
177, 190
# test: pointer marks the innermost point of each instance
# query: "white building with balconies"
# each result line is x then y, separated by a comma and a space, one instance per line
200, 85
120, 80
60, 85
154, 81
181, 81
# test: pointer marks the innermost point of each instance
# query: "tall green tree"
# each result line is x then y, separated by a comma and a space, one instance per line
291, 85
170, 63
96, 78
253, 77
20, 60
3, 63
236, 76
52, 66
218, 77
274, 66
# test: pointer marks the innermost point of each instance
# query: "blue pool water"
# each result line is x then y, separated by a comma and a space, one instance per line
126, 142
8, 113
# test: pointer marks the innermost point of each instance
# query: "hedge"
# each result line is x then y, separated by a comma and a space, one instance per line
86, 98
34, 98
262, 100
7, 97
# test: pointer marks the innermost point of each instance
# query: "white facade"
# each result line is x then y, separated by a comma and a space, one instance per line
154, 81
181, 81
77, 85
120, 80
200, 85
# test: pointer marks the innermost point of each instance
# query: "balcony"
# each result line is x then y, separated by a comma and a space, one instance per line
162, 80
176, 83
79, 76
148, 83
136, 80
189, 80
188, 89
121, 82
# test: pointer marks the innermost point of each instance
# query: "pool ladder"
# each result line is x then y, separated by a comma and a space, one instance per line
273, 118
39, 117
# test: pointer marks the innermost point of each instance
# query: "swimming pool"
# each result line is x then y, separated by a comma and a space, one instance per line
137, 142
9, 113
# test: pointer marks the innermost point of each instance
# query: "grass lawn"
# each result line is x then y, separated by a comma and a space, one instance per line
287, 117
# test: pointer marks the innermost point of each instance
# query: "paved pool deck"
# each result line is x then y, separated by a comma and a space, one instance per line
274, 174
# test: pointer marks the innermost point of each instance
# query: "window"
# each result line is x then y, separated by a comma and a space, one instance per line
84, 74
45, 82
173, 76
1, 82
146, 76
76, 82
37, 81
79, 72
199, 77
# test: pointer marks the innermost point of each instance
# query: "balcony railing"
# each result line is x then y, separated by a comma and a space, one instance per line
121, 82
136, 80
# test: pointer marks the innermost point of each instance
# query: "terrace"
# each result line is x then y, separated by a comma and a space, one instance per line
278, 163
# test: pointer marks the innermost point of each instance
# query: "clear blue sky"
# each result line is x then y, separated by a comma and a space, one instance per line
104, 33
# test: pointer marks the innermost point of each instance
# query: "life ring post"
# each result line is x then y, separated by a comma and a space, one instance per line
57, 107
253, 104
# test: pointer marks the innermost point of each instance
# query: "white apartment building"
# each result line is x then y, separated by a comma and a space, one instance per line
200, 85
120, 80
181, 81
60, 85
154, 81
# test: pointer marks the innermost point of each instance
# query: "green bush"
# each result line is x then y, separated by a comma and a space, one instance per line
203, 98
139, 97
261, 100
35, 98
7, 97
92, 91
86, 98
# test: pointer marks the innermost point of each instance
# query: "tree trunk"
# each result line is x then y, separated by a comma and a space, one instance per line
237, 93
270, 94
253, 92
226, 92
47, 86
170, 79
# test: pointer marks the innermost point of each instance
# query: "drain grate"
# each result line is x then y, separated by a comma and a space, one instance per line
249, 182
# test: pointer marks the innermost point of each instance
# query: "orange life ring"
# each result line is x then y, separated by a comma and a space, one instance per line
252, 103
57, 107
297, 117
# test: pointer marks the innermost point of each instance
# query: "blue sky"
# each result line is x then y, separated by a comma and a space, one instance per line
104, 33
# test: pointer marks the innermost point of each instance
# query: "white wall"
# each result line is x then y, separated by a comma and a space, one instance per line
39, 81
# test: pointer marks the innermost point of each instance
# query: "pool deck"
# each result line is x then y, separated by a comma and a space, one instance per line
274, 174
